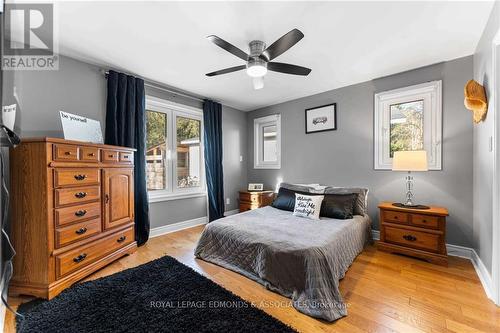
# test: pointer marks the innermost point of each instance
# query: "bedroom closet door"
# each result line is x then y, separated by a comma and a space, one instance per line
118, 196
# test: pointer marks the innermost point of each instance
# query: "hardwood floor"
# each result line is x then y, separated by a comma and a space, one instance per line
384, 292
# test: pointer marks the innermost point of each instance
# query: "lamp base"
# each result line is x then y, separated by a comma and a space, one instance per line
402, 205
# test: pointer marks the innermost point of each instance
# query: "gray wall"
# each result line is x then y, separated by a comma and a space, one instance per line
345, 157
80, 88
76, 87
483, 157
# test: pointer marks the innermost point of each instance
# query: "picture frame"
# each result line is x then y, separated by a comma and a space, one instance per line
321, 118
255, 187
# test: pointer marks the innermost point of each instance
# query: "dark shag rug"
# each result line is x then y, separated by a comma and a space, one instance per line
160, 296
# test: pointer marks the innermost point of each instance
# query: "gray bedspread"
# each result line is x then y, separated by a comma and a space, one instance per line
297, 257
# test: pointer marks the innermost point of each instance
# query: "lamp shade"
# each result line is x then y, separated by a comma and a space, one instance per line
410, 161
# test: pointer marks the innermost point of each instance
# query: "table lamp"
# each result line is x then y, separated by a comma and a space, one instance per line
409, 161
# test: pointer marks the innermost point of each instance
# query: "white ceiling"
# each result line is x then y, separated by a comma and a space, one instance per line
344, 43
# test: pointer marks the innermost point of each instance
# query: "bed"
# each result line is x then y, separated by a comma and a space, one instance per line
299, 258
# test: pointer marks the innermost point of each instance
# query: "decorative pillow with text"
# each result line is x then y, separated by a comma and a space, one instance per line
307, 205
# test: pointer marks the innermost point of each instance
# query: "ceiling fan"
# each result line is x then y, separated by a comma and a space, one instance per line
258, 62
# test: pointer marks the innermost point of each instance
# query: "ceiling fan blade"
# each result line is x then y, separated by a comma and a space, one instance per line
288, 68
228, 47
227, 70
282, 44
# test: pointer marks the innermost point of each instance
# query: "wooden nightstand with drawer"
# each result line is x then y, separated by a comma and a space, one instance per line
415, 232
255, 199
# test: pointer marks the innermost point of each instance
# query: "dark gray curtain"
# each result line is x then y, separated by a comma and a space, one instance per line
212, 120
126, 126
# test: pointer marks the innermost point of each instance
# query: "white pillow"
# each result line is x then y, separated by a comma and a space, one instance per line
307, 205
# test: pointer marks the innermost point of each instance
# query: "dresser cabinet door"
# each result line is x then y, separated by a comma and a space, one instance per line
118, 197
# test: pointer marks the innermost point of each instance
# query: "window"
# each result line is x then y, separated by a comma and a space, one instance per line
407, 126
174, 150
267, 142
156, 150
188, 152
408, 119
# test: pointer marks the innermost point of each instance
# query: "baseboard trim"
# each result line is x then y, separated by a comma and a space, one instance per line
167, 229
467, 253
483, 274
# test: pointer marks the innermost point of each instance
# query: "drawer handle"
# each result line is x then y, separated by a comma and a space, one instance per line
424, 221
81, 212
80, 258
111, 155
121, 239
410, 238
395, 217
81, 195
80, 177
68, 153
91, 154
125, 157
81, 231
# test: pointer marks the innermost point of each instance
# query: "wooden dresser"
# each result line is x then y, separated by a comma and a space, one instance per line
415, 232
72, 212
255, 199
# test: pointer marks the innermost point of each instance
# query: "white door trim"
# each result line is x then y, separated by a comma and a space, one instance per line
494, 109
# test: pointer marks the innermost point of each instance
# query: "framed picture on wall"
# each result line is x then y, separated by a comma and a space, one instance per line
321, 118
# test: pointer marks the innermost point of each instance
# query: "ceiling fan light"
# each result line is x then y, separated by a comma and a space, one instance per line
256, 67
258, 82
256, 70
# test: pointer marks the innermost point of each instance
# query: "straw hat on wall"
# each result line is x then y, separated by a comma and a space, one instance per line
475, 100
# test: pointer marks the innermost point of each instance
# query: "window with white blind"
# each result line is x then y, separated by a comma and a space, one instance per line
267, 142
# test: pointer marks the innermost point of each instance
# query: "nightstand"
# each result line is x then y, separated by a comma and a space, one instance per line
255, 199
414, 232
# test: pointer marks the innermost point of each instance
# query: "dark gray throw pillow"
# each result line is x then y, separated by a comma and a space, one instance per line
285, 200
338, 206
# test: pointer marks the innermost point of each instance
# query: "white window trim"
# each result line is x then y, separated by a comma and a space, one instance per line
493, 109
431, 93
172, 110
258, 123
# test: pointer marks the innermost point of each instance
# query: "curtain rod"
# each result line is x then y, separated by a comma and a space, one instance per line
160, 87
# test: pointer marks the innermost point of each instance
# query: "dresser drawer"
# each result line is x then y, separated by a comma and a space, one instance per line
64, 216
89, 154
249, 197
71, 177
412, 238
76, 232
110, 156
65, 153
73, 195
126, 157
82, 256
426, 221
248, 206
395, 217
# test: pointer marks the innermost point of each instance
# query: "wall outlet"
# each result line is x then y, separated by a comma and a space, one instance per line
241, 158
228, 201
